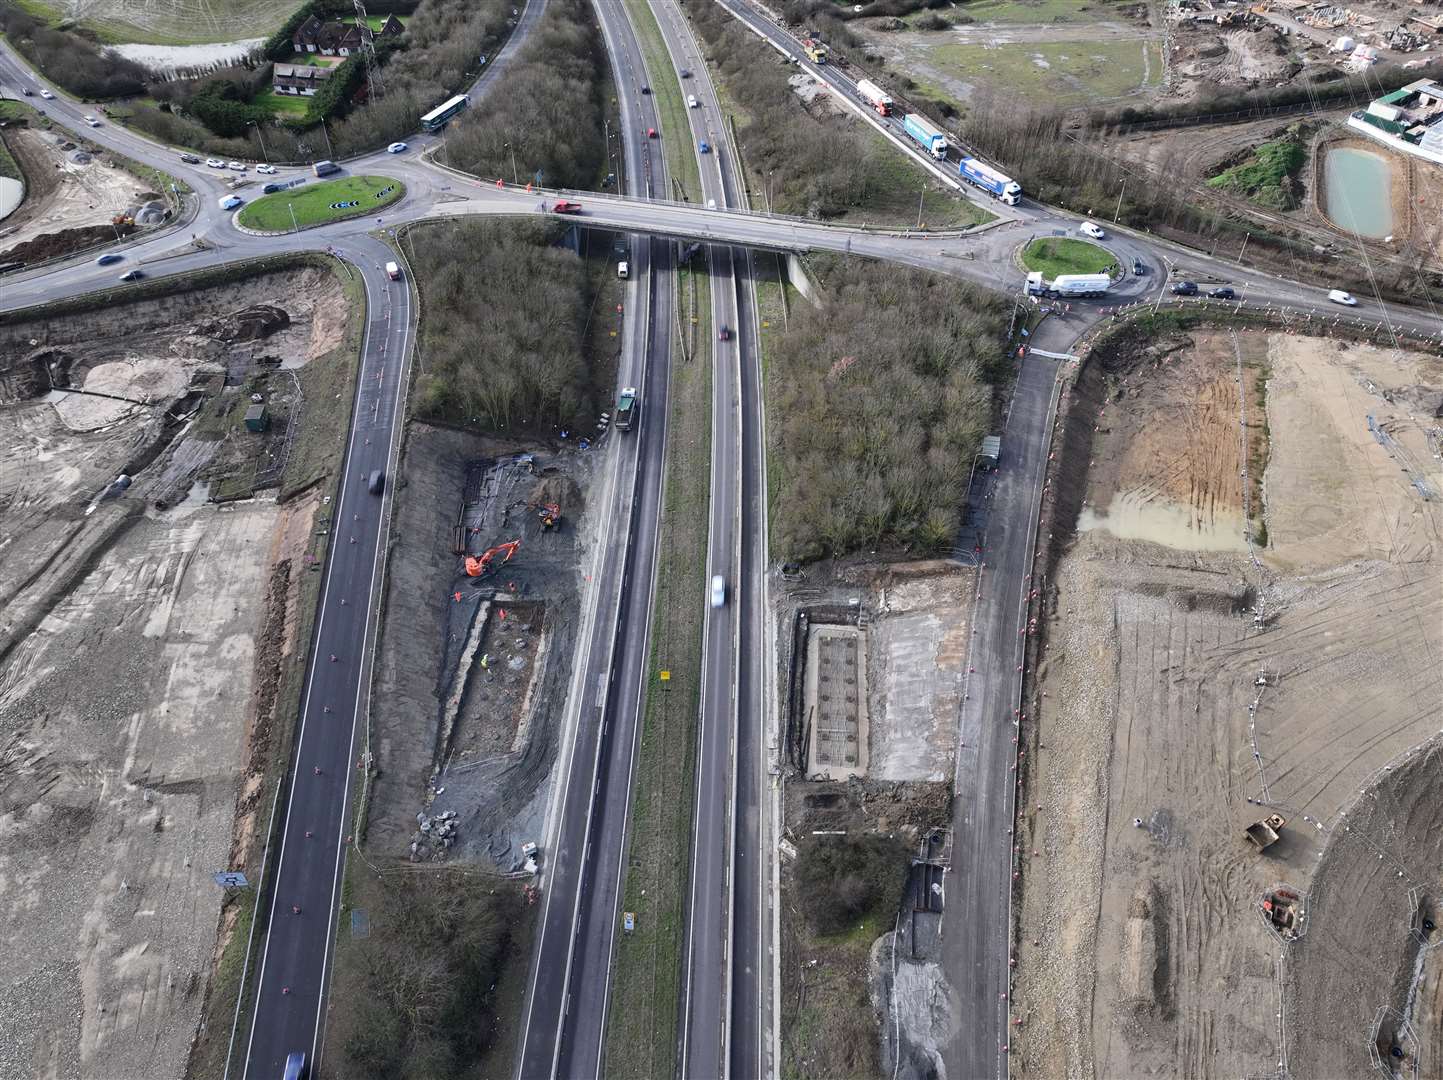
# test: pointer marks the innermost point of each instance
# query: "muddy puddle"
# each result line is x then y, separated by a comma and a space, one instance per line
1133, 516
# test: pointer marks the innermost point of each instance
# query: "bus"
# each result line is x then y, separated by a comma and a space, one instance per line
436, 119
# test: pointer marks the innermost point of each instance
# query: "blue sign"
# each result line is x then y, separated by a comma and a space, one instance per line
230, 879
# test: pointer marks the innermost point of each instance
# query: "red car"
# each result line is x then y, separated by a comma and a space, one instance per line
563, 207
651, 133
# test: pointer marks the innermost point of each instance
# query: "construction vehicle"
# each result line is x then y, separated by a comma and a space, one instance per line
1264, 834
550, 514
477, 565
816, 51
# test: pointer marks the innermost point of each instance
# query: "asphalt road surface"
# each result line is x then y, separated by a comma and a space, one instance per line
975, 926
568, 1002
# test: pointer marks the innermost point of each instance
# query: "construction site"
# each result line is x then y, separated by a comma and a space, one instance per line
75, 197
475, 656
874, 662
145, 637
1230, 845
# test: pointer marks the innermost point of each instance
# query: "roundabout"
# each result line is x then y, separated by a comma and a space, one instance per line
320, 204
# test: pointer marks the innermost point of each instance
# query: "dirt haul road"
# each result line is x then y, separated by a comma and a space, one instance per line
132, 669
1190, 683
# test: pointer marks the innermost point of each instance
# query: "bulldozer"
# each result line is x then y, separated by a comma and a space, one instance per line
550, 514
1264, 834
477, 565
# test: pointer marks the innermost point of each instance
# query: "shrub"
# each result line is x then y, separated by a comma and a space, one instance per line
878, 400
845, 878
550, 116
503, 327
70, 60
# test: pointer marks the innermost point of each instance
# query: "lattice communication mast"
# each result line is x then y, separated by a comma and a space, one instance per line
368, 49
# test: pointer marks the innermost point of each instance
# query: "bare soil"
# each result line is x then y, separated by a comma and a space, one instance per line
141, 650
1187, 687
69, 203
473, 671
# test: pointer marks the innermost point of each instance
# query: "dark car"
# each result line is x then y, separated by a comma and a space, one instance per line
27, 91
132, 275
1185, 288
1224, 293
724, 334
685, 73
271, 188
295, 1067
190, 159
1138, 268
108, 258
377, 483
646, 89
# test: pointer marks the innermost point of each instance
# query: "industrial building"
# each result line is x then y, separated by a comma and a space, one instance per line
1409, 119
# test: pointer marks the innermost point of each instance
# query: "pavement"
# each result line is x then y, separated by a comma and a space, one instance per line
297, 950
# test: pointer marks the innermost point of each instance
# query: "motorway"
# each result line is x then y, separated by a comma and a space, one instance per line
564, 1033
561, 1040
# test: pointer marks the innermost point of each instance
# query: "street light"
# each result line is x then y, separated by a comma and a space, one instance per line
1118, 211
515, 176
264, 153
327, 134
292, 208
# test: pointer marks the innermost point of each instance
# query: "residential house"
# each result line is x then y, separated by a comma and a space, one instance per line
339, 38
302, 79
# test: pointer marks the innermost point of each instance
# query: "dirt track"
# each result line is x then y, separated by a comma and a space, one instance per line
1141, 947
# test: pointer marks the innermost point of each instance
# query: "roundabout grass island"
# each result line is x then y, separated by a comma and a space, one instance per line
320, 203
1054, 255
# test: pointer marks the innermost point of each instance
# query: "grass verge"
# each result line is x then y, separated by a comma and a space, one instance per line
1054, 255
646, 978
670, 104
321, 204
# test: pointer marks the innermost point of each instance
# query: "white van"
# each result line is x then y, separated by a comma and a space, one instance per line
623, 269
1338, 296
692, 102
393, 271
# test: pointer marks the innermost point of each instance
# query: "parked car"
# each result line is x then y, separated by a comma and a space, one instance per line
703, 147
190, 159
1092, 229
269, 170
132, 275
397, 148
236, 166
563, 206
1138, 267
1185, 288
718, 591
47, 95
214, 163
1338, 296
91, 120
108, 258
692, 102
1223, 293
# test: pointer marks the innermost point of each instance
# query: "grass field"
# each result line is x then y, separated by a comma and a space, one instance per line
167, 22
316, 204
1065, 72
1055, 255
286, 104
1022, 12
641, 1027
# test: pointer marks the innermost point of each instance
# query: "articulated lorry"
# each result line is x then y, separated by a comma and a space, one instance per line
626, 408
925, 134
1068, 286
990, 180
876, 97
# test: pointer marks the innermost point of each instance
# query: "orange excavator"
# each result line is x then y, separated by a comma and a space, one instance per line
476, 565
550, 514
